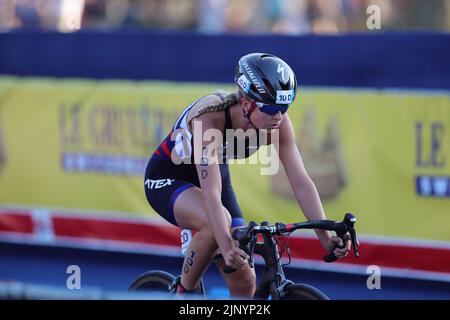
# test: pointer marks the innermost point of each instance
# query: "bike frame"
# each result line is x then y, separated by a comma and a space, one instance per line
273, 280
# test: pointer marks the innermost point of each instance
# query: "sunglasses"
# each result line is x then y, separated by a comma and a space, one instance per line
271, 110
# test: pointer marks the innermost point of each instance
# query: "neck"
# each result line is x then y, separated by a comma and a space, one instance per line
238, 119
234, 114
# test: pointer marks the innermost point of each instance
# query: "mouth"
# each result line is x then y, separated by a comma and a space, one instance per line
275, 125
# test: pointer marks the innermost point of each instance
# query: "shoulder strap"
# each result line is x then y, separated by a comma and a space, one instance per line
228, 123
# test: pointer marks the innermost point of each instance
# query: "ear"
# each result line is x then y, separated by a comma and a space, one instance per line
245, 109
246, 103
242, 101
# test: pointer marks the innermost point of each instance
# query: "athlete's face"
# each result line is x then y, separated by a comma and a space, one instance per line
266, 121
260, 119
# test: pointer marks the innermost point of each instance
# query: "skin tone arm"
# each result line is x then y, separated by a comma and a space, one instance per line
206, 159
304, 189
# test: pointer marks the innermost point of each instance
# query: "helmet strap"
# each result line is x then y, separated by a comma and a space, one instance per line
249, 113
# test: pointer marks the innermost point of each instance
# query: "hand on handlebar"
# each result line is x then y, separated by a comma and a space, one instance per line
346, 237
336, 245
235, 258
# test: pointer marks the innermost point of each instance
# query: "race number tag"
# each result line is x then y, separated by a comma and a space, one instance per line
244, 83
186, 237
285, 96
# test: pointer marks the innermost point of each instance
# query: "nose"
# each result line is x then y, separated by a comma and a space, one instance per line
278, 116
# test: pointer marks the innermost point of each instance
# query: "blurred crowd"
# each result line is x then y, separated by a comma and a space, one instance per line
217, 16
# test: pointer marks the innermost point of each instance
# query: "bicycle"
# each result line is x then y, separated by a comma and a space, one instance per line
273, 283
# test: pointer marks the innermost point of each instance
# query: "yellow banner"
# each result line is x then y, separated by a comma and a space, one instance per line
83, 144
384, 155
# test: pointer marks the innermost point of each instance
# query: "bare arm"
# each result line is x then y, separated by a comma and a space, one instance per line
206, 159
304, 189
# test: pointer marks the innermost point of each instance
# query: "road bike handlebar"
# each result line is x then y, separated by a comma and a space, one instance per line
248, 235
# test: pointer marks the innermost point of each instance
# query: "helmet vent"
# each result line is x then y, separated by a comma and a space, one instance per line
266, 56
269, 87
284, 86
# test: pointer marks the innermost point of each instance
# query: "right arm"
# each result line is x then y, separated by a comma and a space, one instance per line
206, 160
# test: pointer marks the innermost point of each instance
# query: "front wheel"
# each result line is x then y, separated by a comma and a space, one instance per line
153, 281
302, 292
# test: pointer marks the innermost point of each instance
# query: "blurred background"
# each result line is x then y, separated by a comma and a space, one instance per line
89, 89
217, 16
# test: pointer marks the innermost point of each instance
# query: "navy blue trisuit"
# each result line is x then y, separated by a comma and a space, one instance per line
165, 180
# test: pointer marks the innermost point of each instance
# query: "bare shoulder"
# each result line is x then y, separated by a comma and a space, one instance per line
211, 119
209, 100
286, 132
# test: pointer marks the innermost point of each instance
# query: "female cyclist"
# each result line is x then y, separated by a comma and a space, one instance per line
187, 180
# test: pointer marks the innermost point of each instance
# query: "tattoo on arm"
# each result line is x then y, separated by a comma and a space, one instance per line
204, 160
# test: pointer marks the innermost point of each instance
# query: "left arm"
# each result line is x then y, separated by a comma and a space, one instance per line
303, 187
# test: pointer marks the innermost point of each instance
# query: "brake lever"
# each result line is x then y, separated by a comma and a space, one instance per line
252, 249
354, 241
350, 221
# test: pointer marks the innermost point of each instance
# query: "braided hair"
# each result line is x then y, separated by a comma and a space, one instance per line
229, 100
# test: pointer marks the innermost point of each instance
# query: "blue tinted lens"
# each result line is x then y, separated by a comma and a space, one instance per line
272, 110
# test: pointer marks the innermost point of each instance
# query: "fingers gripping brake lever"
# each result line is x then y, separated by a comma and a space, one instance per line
346, 226
243, 245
